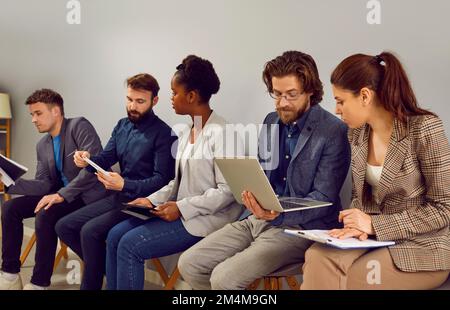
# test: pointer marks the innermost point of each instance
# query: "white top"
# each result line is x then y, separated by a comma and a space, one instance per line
373, 177
185, 155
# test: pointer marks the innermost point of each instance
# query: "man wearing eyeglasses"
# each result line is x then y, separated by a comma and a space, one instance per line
305, 153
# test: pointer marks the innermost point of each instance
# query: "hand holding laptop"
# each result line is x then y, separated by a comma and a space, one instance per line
253, 206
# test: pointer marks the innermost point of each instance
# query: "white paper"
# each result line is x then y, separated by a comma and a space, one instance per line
6, 179
322, 236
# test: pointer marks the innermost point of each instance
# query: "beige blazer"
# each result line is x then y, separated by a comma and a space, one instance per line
412, 206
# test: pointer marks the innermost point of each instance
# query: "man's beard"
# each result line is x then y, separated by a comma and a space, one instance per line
136, 117
288, 116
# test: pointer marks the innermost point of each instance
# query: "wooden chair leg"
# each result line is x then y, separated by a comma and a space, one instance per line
61, 253
169, 282
254, 285
65, 254
160, 269
293, 283
28, 248
273, 283
267, 283
173, 279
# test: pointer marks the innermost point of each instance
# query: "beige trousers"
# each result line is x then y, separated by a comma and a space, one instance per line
328, 268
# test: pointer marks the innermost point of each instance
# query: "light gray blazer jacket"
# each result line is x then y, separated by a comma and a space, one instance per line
202, 195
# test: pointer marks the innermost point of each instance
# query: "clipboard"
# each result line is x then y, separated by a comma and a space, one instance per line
322, 236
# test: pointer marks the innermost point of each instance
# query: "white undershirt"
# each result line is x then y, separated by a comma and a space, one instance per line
186, 155
373, 177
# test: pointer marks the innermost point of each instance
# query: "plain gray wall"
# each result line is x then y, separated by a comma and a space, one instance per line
88, 63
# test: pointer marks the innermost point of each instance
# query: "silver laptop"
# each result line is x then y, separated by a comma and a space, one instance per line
246, 174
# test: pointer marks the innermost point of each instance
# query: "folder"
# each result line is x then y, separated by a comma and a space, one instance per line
323, 237
10, 170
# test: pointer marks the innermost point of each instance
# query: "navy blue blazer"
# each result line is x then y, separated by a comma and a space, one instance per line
318, 167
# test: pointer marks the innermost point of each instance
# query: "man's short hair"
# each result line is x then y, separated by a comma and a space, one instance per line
144, 81
302, 66
47, 96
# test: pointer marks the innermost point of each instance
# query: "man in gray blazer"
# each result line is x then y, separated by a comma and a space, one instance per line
58, 189
305, 153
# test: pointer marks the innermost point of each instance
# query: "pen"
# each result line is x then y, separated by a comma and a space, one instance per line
71, 154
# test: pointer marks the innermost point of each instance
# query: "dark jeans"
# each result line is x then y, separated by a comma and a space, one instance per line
85, 232
14, 212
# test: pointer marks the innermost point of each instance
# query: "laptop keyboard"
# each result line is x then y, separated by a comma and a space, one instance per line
290, 205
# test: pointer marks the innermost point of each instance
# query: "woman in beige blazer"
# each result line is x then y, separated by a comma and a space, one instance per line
197, 202
401, 185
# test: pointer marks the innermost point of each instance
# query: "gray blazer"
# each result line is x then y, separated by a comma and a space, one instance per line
205, 201
76, 134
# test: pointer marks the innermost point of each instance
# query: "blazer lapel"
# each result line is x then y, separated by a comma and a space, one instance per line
305, 134
205, 133
62, 134
395, 156
359, 160
268, 146
181, 145
51, 157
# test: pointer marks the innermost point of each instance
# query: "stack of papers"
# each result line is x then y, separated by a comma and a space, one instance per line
322, 236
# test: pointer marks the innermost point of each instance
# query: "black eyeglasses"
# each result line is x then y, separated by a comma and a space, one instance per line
290, 96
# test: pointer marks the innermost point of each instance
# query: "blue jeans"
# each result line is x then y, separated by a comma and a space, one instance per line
132, 241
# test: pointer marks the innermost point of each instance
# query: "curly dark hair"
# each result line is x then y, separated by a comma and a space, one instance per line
302, 66
144, 81
198, 74
47, 96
